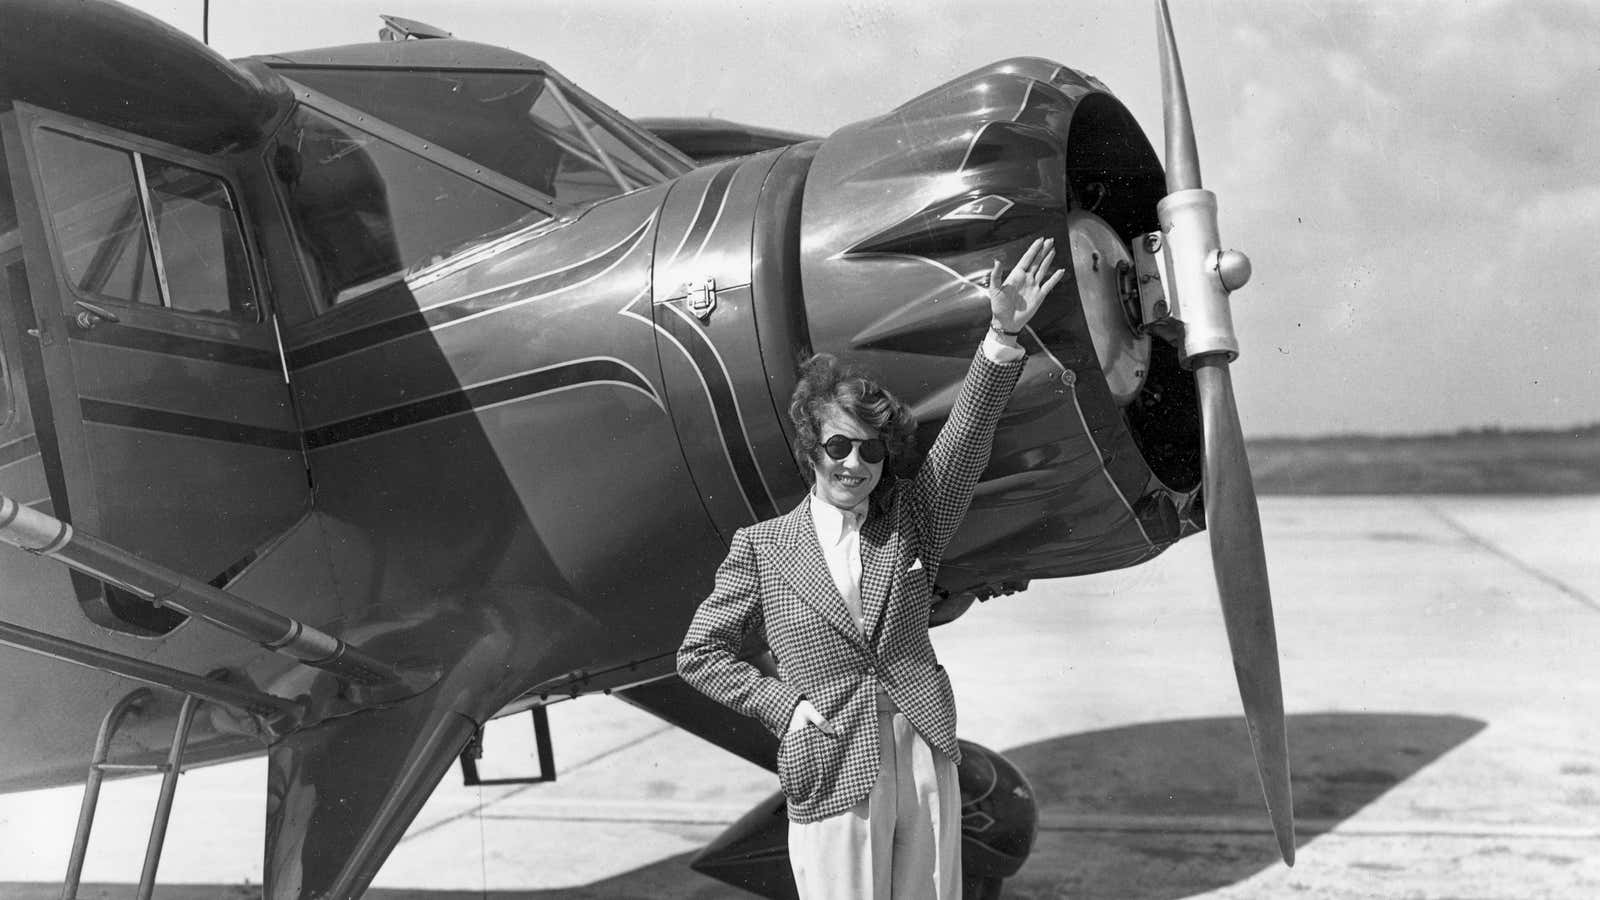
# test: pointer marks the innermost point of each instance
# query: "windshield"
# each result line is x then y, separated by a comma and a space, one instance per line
520, 124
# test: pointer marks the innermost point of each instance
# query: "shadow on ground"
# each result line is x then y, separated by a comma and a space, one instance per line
1157, 811
1189, 798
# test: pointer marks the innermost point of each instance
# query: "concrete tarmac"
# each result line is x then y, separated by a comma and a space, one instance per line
1441, 664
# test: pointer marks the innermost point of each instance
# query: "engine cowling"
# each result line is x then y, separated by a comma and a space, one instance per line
905, 214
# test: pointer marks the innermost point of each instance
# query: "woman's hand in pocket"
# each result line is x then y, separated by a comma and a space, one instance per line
806, 714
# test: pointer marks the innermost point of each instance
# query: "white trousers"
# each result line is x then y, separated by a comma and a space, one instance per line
901, 843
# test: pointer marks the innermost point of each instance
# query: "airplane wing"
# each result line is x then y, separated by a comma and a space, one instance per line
709, 140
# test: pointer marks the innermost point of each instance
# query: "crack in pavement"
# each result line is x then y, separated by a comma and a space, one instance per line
1526, 568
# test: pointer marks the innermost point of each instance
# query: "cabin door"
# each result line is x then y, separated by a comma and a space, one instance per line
164, 420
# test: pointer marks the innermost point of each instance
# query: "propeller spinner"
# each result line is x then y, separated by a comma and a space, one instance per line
1202, 274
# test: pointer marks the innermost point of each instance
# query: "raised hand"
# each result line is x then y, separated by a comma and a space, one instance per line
1013, 302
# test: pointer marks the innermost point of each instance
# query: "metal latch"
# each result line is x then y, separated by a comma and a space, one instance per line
700, 297
1149, 279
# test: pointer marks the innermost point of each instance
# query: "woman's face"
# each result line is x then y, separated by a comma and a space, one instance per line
844, 482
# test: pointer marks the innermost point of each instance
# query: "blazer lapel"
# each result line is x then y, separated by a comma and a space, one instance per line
878, 561
803, 566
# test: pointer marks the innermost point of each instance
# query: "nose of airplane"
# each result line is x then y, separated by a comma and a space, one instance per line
905, 215
874, 244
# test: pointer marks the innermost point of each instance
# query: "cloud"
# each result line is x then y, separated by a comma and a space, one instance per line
1415, 183
1507, 96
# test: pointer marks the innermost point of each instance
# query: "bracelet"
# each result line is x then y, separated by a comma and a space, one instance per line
995, 327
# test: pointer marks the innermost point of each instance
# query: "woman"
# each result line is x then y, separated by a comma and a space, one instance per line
841, 588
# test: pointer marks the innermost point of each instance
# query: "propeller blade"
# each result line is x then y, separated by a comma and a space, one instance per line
1203, 276
1183, 158
1240, 564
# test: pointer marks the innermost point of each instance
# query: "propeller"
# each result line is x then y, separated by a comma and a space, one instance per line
1203, 275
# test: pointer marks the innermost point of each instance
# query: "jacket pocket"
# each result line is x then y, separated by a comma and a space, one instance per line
800, 763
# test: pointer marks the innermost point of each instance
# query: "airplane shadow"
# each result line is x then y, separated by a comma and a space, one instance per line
1155, 811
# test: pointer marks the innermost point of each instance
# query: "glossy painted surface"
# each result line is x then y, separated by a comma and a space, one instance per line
521, 462
465, 409
130, 71
728, 420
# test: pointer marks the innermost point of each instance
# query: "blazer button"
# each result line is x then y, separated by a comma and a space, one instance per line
869, 670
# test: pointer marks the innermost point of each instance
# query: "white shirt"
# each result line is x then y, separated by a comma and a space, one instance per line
839, 533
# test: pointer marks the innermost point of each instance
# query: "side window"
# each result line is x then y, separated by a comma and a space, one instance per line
103, 201
92, 192
202, 248
365, 209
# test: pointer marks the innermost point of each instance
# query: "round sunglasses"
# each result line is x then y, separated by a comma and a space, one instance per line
873, 450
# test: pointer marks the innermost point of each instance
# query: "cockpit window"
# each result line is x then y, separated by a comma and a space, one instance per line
366, 210
520, 124
135, 228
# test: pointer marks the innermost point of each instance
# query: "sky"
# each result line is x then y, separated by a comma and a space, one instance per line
1416, 183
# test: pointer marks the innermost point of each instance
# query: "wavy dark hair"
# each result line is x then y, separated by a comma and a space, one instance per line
826, 383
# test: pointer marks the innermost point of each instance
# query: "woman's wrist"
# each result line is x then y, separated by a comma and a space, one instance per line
997, 328
1000, 349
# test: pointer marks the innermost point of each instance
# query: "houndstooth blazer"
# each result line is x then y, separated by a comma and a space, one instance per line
775, 581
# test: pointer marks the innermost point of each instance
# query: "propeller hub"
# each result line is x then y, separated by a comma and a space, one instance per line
1195, 294
1231, 268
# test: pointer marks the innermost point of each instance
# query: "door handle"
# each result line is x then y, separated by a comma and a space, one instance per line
90, 315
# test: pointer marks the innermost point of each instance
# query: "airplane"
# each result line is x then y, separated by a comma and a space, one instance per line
355, 397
